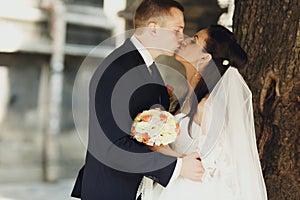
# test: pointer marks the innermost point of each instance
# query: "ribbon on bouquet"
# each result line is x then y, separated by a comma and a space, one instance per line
145, 189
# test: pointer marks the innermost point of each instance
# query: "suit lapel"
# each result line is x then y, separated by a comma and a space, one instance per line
139, 61
159, 92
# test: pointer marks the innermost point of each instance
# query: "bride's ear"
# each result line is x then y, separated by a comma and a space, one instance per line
203, 61
205, 58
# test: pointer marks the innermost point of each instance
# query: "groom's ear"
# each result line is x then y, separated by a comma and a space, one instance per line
152, 26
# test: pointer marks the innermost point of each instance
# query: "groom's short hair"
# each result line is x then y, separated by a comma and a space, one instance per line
150, 10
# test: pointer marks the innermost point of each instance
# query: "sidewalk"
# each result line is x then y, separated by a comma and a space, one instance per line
37, 191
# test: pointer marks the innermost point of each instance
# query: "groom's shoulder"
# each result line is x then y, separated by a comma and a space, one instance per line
119, 61
123, 54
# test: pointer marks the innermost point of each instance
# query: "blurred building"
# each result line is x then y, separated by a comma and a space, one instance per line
42, 45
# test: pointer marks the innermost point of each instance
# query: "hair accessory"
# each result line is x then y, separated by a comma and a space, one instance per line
225, 62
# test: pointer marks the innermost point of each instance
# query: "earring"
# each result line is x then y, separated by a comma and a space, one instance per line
197, 74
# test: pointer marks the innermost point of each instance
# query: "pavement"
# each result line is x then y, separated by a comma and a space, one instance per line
37, 191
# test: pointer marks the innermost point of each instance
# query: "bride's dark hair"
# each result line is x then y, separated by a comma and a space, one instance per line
225, 52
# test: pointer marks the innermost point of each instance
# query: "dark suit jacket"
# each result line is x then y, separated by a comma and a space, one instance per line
120, 88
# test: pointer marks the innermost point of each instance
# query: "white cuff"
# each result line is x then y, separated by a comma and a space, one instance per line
177, 170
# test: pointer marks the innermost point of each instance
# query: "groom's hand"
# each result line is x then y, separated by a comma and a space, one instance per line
192, 167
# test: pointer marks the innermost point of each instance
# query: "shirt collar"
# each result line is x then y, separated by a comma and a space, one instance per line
142, 50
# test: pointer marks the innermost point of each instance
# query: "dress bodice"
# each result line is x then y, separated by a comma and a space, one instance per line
187, 142
217, 165
214, 163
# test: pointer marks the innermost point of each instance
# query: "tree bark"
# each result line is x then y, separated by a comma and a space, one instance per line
269, 32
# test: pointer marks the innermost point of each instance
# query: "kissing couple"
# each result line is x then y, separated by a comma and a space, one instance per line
214, 157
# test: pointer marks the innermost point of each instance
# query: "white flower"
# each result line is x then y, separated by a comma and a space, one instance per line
160, 128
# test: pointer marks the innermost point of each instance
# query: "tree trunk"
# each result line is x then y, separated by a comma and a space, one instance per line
269, 32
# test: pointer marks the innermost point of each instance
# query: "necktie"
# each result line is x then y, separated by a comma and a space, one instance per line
155, 74
157, 79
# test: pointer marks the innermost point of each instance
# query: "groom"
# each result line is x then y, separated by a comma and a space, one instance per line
126, 83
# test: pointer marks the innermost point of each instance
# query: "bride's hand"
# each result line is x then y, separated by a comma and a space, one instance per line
192, 167
155, 147
166, 149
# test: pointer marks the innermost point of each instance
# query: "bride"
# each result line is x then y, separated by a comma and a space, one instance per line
216, 120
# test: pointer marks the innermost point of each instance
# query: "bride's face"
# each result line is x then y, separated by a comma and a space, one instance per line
192, 49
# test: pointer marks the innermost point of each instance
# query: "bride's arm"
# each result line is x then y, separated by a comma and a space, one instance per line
199, 113
166, 149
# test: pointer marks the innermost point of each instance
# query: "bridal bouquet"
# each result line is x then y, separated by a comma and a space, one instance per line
155, 127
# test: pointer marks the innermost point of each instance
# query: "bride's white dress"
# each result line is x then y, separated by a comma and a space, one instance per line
227, 145
218, 181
